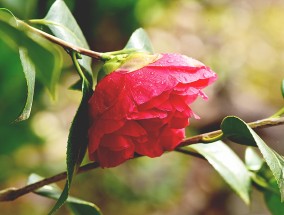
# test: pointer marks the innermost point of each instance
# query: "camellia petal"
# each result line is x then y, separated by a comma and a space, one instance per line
118, 152
146, 110
170, 138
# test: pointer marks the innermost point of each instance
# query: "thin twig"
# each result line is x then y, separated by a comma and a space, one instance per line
13, 193
264, 123
62, 43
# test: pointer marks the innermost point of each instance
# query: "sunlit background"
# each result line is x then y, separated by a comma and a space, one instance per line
243, 41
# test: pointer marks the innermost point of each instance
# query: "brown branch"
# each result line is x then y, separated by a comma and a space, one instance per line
13, 193
62, 43
264, 123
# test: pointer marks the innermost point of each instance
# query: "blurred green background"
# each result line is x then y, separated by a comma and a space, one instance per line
243, 41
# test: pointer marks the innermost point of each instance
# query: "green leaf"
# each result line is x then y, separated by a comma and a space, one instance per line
140, 41
44, 55
13, 90
273, 200
272, 158
27, 65
282, 88
63, 25
78, 136
108, 67
47, 59
29, 71
228, 165
77, 139
78, 206
77, 85
268, 186
236, 130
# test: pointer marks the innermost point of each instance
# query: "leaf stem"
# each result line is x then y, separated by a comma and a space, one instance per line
74, 56
13, 193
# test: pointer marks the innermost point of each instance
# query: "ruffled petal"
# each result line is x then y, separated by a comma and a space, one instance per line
121, 109
151, 148
176, 60
113, 150
98, 129
155, 102
146, 83
170, 138
106, 94
132, 129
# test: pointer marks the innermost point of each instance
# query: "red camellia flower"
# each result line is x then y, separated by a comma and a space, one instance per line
144, 111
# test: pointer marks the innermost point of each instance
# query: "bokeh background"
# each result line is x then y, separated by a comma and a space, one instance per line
243, 41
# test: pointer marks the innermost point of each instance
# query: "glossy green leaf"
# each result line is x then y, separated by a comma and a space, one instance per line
29, 71
63, 25
78, 206
228, 165
267, 184
139, 41
76, 86
27, 65
13, 96
77, 141
236, 130
78, 136
273, 200
272, 158
45, 57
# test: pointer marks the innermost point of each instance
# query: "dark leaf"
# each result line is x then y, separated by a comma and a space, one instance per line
77, 143
228, 165
273, 200
234, 125
140, 41
236, 130
76, 86
43, 55
29, 71
63, 25
268, 186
